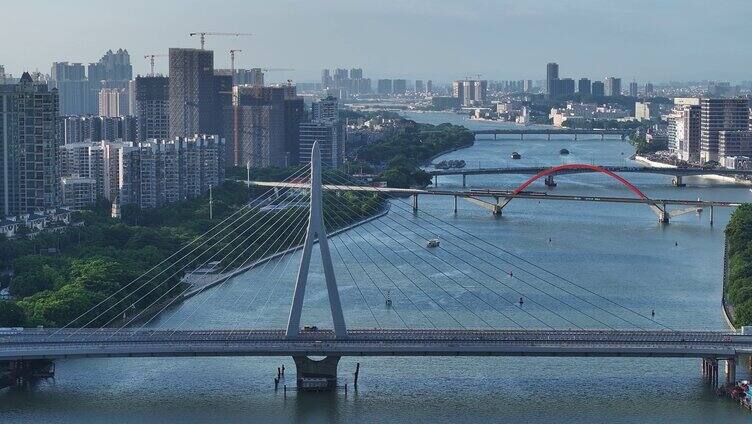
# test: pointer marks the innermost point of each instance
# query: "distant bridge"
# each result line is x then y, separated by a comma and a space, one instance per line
677, 173
522, 132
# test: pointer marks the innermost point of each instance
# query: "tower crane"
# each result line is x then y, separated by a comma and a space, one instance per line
232, 60
204, 34
151, 61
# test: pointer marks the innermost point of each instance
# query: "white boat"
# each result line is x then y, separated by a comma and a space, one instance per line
433, 243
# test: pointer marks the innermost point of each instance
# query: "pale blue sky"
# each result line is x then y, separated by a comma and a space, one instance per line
654, 40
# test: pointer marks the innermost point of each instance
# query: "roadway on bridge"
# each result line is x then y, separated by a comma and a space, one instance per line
87, 343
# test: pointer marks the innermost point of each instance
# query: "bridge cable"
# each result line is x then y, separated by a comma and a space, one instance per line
446, 276
245, 208
479, 282
388, 194
279, 218
189, 287
525, 282
345, 206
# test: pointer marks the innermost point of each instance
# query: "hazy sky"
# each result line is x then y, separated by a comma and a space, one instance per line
656, 40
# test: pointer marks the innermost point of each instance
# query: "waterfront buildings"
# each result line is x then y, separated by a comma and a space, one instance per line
718, 115
684, 129
29, 179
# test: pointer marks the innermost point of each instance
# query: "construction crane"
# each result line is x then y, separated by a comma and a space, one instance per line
204, 34
232, 60
151, 61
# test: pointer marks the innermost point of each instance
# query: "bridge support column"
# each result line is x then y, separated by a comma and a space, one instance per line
315, 375
464, 180
664, 216
711, 215
497, 208
455, 204
549, 181
602, 137
575, 137
549, 136
730, 370
415, 203
677, 181
522, 136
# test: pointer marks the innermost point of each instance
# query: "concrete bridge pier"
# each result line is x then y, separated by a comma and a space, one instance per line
677, 181
730, 370
664, 217
522, 136
497, 207
316, 375
549, 136
464, 180
455, 204
415, 203
435, 180
602, 137
711, 217
575, 137
549, 181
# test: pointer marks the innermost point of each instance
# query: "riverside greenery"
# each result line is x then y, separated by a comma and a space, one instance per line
401, 154
57, 277
739, 285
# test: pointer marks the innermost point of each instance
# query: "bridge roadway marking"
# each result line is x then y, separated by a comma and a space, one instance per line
42, 344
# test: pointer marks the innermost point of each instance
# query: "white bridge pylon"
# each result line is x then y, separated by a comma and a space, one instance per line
316, 232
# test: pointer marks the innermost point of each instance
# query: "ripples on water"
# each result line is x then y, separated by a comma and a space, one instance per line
619, 251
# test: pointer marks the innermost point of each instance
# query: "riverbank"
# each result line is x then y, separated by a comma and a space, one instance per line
719, 178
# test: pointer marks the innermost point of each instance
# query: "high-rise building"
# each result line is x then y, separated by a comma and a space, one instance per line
267, 120
419, 86
113, 70
356, 73
326, 79
527, 86
645, 111
152, 107
29, 179
564, 87
583, 87
73, 88
328, 137
113, 102
429, 86
612, 87
598, 89
470, 92
552, 74
684, 129
399, 86
384, 86
633, 89
718, 115
193, 100
325, 110
649, 89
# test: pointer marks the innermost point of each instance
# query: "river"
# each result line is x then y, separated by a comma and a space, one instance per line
617, 250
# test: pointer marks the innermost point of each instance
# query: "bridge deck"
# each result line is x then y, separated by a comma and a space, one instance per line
532, 170
47, 344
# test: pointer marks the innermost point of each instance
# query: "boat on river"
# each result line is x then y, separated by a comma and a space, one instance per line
515, 156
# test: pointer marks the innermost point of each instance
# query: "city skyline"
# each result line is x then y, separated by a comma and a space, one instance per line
638, 40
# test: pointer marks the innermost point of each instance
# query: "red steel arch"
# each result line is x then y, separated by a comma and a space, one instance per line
580, 166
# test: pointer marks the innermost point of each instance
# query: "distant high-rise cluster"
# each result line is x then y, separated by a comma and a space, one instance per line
470, 92
557, 87
344, 82
80, 86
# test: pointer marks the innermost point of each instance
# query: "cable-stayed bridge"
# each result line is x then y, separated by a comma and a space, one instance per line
460, 295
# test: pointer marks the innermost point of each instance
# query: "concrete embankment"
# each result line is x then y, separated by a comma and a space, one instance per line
719, 178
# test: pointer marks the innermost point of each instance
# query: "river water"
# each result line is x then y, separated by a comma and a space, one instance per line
619, 251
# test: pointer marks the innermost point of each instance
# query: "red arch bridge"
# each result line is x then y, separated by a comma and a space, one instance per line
496, 200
